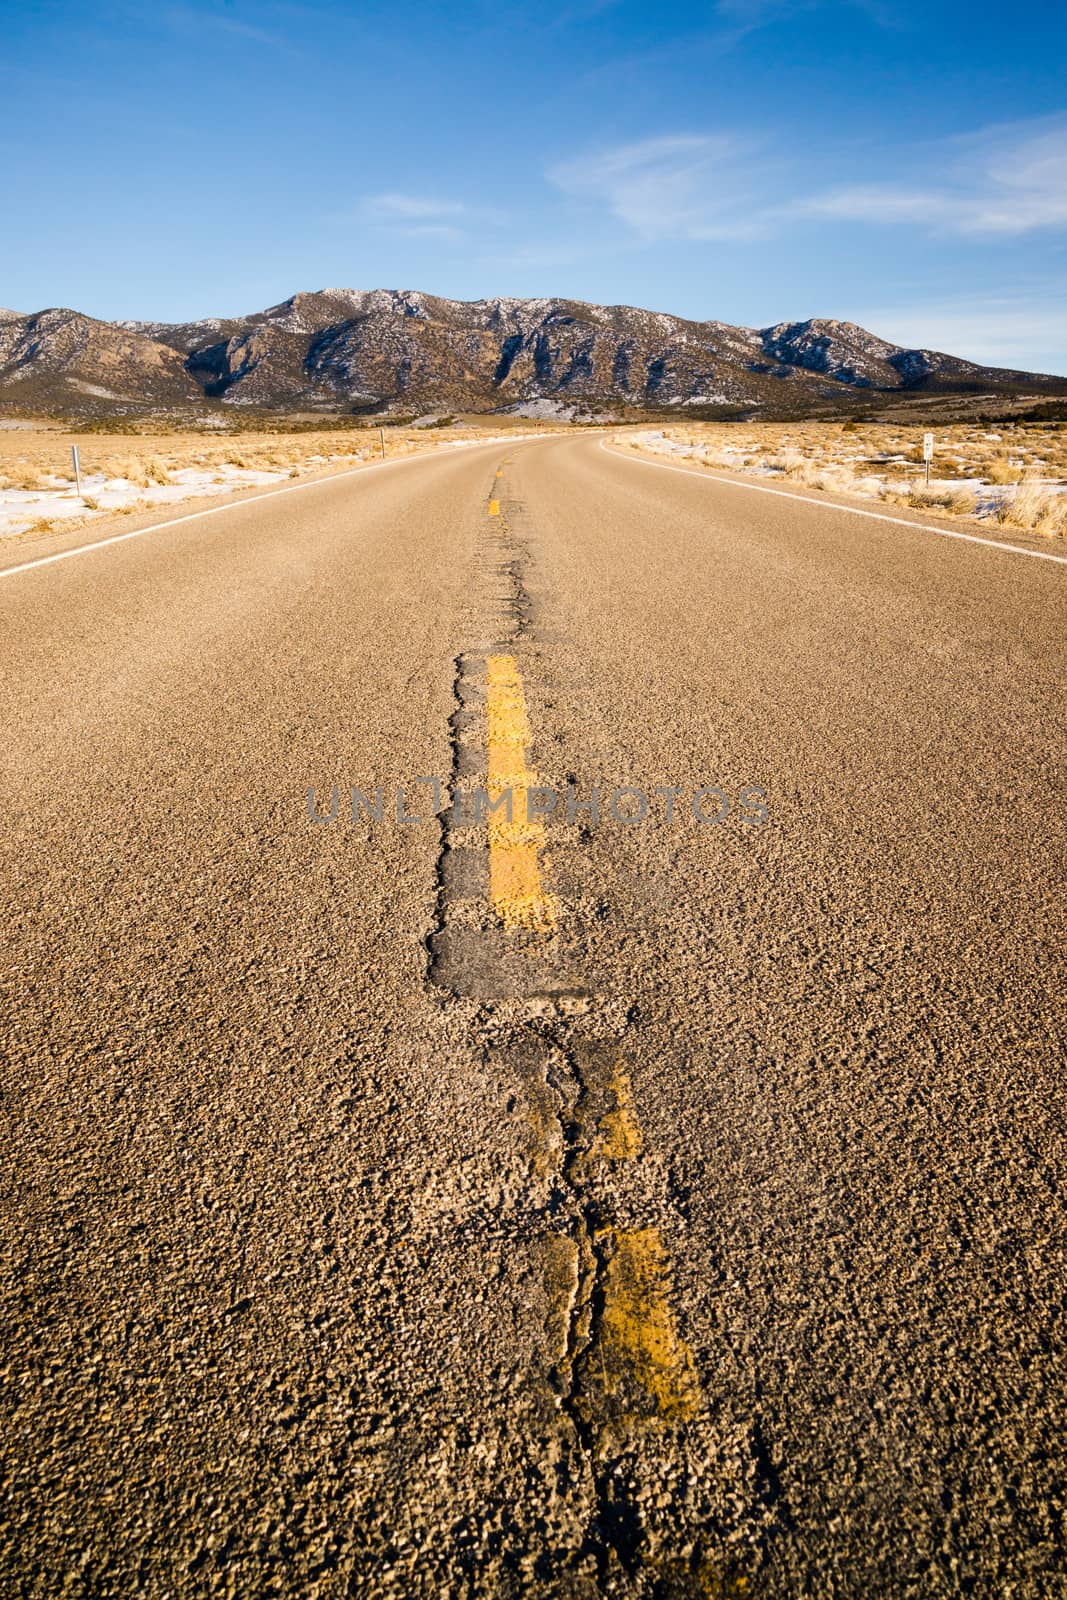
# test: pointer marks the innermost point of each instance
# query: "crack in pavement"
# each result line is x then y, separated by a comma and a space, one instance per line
622, 1367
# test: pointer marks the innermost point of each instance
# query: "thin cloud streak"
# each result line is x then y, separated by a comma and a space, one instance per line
1004, 180
727, 25
681, 186
415, 216
202, 20
409, 208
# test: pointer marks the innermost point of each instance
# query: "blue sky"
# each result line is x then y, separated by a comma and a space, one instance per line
898, 164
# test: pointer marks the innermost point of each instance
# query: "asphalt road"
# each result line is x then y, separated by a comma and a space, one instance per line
566, 1208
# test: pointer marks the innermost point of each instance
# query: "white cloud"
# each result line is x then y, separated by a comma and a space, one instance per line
681, 186
420, 216
409, 208
1005, 180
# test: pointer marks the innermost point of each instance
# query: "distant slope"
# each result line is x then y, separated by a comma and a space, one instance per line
386, 350
61, 360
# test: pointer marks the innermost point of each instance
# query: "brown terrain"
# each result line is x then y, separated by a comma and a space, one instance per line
390, 351
564, 1207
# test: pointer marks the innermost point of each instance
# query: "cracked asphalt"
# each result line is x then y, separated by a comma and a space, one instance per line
563, 1208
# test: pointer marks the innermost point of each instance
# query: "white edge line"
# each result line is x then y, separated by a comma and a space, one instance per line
852, 511
234, 505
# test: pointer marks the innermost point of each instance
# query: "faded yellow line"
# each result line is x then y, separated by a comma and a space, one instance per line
618, 1133
638, 1327
494, 508
639, 1330
514, 872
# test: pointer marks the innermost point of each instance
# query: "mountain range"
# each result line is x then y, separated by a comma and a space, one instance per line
389, 352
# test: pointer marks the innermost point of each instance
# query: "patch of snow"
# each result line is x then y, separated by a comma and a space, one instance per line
151, 330
544, 410
659, 442
21, 508
96, 389
507, 302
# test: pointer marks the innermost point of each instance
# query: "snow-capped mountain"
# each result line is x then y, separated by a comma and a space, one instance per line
391, 351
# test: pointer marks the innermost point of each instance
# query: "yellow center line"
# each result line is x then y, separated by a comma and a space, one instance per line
514, 873
639, 1327
494, 508
619, 1133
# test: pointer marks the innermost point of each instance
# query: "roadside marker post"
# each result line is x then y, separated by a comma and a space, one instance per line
928, 453
381, 435
75, 456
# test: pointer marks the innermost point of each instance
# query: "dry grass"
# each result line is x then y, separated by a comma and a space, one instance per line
958, 502
1002, 470
1011, 472
38, 459
1035, 510
30, 458
139, 470
21, 476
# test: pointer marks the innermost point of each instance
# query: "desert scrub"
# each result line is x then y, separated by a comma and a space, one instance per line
1035, 510
23, 477
140, 472
959, 502
1001, 470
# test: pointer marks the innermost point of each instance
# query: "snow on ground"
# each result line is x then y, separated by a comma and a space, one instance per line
714, 455
21, 508
544, 411
989, 498
96, 389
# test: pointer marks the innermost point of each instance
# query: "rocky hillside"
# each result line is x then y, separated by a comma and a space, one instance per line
391, 351
63, 361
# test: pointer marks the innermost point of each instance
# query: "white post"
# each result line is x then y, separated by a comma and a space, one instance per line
381, 435
76, 458
928, 453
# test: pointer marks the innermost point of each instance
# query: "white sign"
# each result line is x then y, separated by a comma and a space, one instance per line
928, 447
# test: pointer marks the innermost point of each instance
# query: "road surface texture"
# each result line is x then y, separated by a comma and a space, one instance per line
654, 1208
